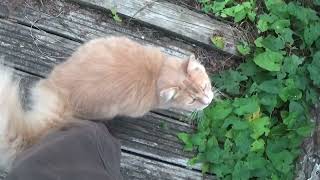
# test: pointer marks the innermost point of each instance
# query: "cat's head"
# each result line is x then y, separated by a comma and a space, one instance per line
192, 91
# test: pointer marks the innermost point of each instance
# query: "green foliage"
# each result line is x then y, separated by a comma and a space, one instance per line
243, 48
256, 134
291, 64
311, 33
313, 69
243, 106
233, 77
186, 140
229, 8
316, 2
115, 15
218, 41
269, 60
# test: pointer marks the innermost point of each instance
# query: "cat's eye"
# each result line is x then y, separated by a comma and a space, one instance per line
192, 101
205, 87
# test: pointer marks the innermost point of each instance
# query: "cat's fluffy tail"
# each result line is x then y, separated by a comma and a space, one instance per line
20, 128
10, 112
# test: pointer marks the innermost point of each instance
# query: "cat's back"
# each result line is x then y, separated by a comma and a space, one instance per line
114, 73
118, 50
108, 63
112, 55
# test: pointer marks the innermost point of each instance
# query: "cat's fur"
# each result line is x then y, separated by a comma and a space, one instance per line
104, 78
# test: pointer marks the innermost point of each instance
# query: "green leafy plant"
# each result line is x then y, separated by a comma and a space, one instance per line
244, 48
257, 133
218, 41
115, 15
230, 8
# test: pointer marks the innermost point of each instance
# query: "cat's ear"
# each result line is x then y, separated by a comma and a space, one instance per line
194, 65
168, 94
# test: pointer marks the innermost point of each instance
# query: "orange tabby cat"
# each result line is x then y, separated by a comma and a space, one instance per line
104, 78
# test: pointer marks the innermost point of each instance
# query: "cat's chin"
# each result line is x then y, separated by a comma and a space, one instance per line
181, 110
199, 109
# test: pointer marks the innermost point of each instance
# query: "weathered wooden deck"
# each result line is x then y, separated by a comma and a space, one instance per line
35, 35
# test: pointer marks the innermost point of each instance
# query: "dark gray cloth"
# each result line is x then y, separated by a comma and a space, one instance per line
85, 151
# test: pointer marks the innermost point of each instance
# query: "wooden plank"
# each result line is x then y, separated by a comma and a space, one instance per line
154, 136
34, 56
82, 24
2, 175
308, 164
141, 168
172, 18
175, 114
142, 135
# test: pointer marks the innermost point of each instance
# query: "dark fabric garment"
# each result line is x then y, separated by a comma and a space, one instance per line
85, 151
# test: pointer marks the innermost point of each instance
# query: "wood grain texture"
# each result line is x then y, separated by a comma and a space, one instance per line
142, 136
82, 23
137, 168
79, 26
172, 18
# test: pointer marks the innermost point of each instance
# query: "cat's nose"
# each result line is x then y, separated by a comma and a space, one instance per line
206, 100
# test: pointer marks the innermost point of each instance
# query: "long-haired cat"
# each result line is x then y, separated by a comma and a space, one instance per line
104, 78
